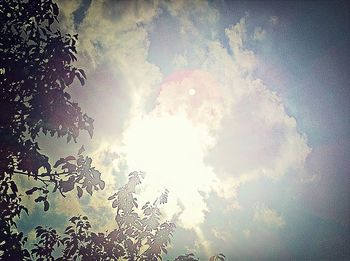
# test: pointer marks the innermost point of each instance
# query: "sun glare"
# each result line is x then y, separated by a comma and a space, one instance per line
191, 92
170, 151
170, 144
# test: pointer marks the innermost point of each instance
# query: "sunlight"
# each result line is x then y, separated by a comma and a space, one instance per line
170, 144
191, 92
170, 151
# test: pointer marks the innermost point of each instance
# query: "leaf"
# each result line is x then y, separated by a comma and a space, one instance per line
46, 205
67, 185
81, 150
73, 219
80, 192
81, 79
82, 73
69, 158
112, 197
14, 187
55, 9
59, 162
31, 191
70, 167
115, 203
39, 199
26, 210
102, 184
90, 130
89, 189
67, 95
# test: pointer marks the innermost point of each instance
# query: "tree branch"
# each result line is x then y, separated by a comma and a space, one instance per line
44, 174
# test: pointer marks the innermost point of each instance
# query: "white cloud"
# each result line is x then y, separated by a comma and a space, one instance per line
180, 62
247, 233
193, 16
66, 18
268, 217
257, 137
68, 206
259, 34
234, 130
222, 234
119, 40
237, 35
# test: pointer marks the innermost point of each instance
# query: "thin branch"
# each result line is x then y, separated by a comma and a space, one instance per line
44, 174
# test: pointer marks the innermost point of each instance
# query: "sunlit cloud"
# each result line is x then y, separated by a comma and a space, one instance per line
268, 217
209, 126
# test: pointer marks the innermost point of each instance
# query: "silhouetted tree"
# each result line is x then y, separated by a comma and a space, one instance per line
38, 63
139, 234
37, 60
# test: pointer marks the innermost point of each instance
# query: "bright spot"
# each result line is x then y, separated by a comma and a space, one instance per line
170, 151
170, 144
191, 91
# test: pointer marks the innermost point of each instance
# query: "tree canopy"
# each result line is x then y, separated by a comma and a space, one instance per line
38, 61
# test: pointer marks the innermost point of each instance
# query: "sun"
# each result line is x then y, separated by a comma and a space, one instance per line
170, 144
191, 92
164, 147
170, 151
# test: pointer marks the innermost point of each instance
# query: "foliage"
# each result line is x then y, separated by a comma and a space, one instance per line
34, 101
139, 234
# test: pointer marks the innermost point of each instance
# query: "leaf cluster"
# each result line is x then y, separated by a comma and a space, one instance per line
139, 234
34, 100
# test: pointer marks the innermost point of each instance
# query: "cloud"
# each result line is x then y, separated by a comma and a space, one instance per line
233, 131
259, 34
237, 36
222, 234
180, 62
274, 20
268, 217
257, 137
114, 44
66, 16
247, 233
68, 206
193, 17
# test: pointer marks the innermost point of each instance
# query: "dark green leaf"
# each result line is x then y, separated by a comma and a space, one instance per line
80, 192
46, 205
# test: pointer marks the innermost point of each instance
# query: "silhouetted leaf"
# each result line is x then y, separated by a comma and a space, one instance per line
46, 205
82, 81
67, 185
102, 184
14, 187
69, 158
80, 192
81, 150
82, 72
59, 162
31, 191
39, 199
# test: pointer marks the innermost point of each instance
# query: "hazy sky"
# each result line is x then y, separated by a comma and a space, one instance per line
240, 109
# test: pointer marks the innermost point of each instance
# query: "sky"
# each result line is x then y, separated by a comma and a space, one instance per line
239, 108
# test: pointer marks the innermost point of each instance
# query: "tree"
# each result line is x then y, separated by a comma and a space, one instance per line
38, 63
139, 234
37, 60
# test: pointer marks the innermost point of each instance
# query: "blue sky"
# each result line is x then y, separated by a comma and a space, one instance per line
245, 103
